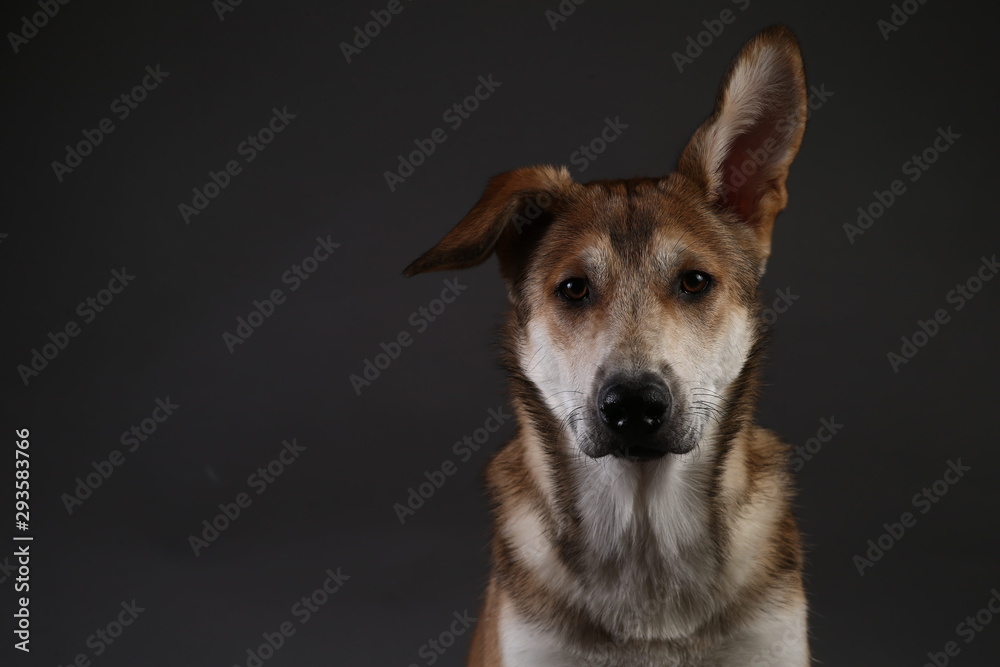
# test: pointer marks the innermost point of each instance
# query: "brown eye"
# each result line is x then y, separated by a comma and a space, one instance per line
574, 289
694, 282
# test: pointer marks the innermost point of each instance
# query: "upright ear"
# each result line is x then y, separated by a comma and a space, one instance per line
741, 155
512, 200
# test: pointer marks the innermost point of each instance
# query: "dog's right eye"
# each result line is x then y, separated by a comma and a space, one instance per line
574, 289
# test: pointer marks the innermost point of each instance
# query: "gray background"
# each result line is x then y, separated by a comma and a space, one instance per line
323, 175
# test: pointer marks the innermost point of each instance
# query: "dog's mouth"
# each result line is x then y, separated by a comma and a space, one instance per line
639, 454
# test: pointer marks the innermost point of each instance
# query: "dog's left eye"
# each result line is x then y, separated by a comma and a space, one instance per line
694, 282
574, 289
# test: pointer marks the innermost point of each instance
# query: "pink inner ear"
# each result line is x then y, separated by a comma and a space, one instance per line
749, 167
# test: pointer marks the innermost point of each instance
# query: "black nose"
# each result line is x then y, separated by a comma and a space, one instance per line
633, 408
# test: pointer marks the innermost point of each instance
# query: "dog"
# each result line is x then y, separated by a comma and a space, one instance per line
641, 518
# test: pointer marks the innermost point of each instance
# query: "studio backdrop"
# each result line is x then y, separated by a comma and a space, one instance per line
244, 438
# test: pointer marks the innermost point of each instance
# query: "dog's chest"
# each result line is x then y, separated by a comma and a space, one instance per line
647, 567
524, 645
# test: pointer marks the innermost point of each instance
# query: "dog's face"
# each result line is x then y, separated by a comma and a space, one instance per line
635, 301
638, 305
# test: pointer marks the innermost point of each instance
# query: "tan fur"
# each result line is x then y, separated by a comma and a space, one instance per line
485, 648
694, 558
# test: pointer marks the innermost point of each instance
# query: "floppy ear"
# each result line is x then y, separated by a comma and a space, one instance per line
740, 156
511, 201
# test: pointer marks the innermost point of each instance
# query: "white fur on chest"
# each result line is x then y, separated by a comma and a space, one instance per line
646, 536
777, 640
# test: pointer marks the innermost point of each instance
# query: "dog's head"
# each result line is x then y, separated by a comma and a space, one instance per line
635, 301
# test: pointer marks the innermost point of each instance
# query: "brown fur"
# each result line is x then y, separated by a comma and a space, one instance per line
632, 238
